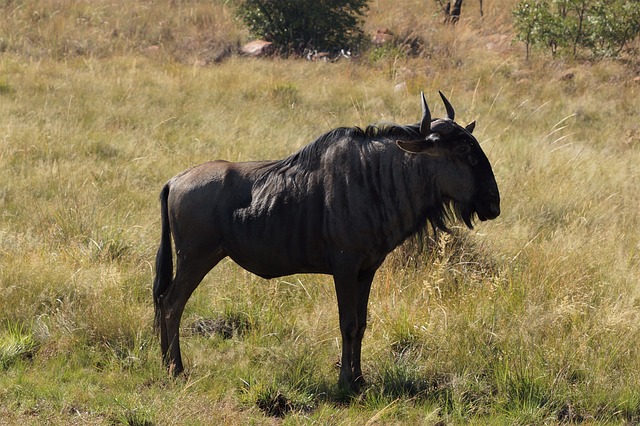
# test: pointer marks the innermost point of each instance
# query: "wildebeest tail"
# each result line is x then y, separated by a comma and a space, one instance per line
164, 257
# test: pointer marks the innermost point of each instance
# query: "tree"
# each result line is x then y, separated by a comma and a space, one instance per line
535, 25
452, 13
296, 25
613, 24
579, 9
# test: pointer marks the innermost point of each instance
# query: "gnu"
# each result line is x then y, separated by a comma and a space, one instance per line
338, 206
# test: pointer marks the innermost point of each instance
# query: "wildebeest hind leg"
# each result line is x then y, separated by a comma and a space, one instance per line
189, 273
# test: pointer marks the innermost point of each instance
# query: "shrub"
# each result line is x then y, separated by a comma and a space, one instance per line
296, 25
602, 27
613, 25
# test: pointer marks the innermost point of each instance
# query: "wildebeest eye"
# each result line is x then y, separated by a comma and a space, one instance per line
462, 150
472, 160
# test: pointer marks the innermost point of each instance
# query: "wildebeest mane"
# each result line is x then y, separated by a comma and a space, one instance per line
309, 156
308, 159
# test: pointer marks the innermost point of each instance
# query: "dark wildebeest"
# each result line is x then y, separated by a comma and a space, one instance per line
338, 206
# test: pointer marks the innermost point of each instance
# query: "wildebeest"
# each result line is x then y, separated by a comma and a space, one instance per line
338, 206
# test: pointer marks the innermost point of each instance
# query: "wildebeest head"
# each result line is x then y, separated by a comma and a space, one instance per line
466, 180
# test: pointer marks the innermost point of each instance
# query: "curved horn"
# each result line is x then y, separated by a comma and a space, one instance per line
450, 112
425, 124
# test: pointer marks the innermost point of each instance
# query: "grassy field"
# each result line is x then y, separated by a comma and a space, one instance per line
533, 318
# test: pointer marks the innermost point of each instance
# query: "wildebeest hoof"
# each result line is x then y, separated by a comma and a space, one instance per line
358, 384
351, 385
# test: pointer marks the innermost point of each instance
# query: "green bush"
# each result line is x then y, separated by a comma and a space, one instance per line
613, 25
601, 27
296, 25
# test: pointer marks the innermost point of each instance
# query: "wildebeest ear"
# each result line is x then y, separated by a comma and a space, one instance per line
471, 126
421, 146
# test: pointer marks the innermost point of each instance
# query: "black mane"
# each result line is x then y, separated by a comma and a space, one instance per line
308, 159
308, 156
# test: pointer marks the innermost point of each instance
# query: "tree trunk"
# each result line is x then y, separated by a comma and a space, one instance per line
452, 14
455, 11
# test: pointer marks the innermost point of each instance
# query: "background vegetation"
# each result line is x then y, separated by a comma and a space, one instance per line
302, 25
530, 319
602, 27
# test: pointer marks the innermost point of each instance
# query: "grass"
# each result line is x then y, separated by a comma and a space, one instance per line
532, 318
16, 344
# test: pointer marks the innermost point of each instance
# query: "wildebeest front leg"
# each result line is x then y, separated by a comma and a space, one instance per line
364, 288
352, 295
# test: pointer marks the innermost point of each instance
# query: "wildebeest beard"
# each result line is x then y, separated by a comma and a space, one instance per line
447, 211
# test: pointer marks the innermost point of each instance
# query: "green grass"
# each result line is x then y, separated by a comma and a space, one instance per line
16, 344
528, 319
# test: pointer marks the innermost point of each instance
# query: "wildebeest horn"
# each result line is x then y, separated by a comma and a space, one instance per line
450, 112
425, 124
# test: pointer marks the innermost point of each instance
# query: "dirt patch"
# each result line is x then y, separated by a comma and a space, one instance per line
226, 326
275, 405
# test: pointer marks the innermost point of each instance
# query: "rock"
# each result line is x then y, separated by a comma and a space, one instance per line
400, 87
382, 36
258, 48
567, 76
154, 49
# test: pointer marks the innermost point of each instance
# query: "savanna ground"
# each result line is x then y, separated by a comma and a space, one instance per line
532, 318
